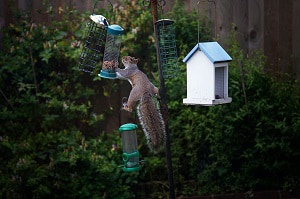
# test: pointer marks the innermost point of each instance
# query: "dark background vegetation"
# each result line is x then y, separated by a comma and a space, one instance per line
54, 139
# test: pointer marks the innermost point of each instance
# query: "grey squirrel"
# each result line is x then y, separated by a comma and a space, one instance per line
142, 97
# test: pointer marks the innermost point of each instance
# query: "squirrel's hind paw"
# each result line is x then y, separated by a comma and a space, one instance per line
125, 106
158, 96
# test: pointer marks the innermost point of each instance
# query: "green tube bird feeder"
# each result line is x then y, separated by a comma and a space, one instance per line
112, 51
130, 148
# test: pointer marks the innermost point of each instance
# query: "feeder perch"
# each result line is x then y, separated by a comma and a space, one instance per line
167, 47
130, 148
207, 75
112, 50
93, 49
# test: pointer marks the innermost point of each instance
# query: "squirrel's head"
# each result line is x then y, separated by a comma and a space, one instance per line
129, 61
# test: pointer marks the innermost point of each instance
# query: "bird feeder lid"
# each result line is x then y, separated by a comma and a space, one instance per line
99, 19
115, 30
127, 127
164, 22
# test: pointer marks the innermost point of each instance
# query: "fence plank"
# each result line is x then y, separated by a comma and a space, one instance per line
285, 35
278, 35
296, 37
256, 25
271, 34
270, 25
240, 19
2, 13
224, 18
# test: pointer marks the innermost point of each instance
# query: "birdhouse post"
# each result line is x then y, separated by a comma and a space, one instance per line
207, 75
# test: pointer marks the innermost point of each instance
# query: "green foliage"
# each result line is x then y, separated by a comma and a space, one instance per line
138, 40
49, 136
186, 28
61, 165
249, 144
259, 131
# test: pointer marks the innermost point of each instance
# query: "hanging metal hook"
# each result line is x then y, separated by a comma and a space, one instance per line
215, 13
198, 12
212, 1
146, 3
162, 3
112, 7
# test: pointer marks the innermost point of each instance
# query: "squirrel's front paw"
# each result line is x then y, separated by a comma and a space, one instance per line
158, 96
126, 108
115, 65
124, 105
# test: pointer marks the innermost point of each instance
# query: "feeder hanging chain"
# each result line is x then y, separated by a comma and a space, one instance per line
161, 3
215, 5
146, 3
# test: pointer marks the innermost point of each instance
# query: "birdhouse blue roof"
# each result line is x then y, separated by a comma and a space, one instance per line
214, 52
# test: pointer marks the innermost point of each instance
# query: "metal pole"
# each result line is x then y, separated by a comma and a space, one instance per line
163, 104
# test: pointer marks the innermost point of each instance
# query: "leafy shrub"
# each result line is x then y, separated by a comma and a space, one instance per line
49, 135
61, 165
249, 144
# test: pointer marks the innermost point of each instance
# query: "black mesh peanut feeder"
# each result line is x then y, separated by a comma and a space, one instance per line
102, 46
93, 49
167, 47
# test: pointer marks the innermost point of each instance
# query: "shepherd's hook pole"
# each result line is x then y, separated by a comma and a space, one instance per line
164, 107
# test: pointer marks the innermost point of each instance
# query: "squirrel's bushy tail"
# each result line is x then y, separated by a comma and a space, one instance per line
152, 122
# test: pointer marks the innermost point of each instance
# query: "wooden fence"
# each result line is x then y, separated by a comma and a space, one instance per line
270, 25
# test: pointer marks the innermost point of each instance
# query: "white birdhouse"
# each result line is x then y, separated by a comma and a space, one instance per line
207, 75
